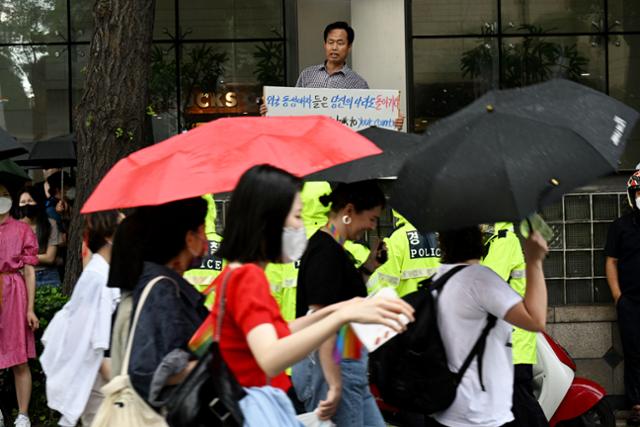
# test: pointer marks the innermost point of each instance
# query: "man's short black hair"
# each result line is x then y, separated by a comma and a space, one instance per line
257, 212
55, 182
340, 25
461, 245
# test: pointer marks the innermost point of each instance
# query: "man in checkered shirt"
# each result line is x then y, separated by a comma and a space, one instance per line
334, 72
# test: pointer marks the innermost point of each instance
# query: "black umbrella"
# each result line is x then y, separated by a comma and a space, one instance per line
56, 152
511, 152
9, 147
396, 148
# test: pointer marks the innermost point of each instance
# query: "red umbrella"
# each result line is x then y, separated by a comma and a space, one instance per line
212, 157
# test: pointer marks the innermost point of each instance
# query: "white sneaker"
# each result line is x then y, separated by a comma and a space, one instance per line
22, 421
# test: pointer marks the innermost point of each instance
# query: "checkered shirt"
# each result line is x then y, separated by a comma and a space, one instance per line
316, 76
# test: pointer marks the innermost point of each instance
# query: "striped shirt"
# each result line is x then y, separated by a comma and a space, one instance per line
317, 76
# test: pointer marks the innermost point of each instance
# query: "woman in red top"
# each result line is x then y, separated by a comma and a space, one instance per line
265, 225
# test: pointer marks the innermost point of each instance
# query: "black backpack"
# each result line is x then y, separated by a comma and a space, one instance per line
411, 370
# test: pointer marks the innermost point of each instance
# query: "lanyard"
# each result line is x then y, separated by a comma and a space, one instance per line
333, 232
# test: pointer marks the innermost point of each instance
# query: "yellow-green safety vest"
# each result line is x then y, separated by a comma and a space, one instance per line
504, 256
212, 265
412, 257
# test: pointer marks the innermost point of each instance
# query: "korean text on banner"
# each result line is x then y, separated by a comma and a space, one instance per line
356, 108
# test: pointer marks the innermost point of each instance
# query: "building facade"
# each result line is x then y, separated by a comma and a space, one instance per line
211, 59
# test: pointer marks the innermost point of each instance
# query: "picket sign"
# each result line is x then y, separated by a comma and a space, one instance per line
356, 108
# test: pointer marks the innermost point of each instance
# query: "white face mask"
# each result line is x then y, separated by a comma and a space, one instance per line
294, 243
638, 202
5, 205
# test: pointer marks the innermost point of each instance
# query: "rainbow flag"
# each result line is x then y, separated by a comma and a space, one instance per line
348, 346
203, 337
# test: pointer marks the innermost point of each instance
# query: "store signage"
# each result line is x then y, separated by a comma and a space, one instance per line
356, 108
212, 99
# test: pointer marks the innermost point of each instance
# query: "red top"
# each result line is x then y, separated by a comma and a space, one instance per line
248, 304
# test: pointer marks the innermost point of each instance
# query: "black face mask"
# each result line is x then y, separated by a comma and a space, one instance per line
29, 211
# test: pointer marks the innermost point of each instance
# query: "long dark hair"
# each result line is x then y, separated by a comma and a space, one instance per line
152, 233
43, 225
257, 212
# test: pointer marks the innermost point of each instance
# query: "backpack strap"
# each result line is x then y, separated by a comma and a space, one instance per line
221, 306
478, 350
132, 331
439, 283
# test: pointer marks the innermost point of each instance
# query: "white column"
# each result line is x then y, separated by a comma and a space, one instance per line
378, 52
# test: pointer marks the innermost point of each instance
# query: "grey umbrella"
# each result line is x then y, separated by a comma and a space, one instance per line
12, 175
511, 152
9, 147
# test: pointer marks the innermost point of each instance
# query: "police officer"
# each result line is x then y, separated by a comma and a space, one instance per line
503, 254
412, 257
210, 266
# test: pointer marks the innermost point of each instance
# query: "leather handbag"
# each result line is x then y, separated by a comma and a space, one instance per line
122, 405
209, 396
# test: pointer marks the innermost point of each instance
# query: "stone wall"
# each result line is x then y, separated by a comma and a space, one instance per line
590, 335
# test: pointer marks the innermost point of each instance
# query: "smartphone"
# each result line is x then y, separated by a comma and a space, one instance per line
381, 252
536, 223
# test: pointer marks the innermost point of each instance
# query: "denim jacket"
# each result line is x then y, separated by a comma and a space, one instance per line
170, 316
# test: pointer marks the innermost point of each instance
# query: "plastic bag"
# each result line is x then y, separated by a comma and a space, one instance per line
310, 419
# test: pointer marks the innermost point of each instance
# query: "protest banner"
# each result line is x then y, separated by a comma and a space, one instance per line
356, 108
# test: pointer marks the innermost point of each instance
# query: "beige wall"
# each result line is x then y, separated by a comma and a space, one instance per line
590, 335
313, 17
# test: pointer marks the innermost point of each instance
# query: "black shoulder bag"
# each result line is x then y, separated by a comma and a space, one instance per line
209, 396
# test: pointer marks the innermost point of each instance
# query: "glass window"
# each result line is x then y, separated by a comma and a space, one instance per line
34, 90
222, 79
164, 27
624, 68
564, 16
163, 91
33, 21
79, 61
439, 17
231, 19
624, 15
81, 20
451, 73
533, 59
579, 291
555, 289
82, 23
